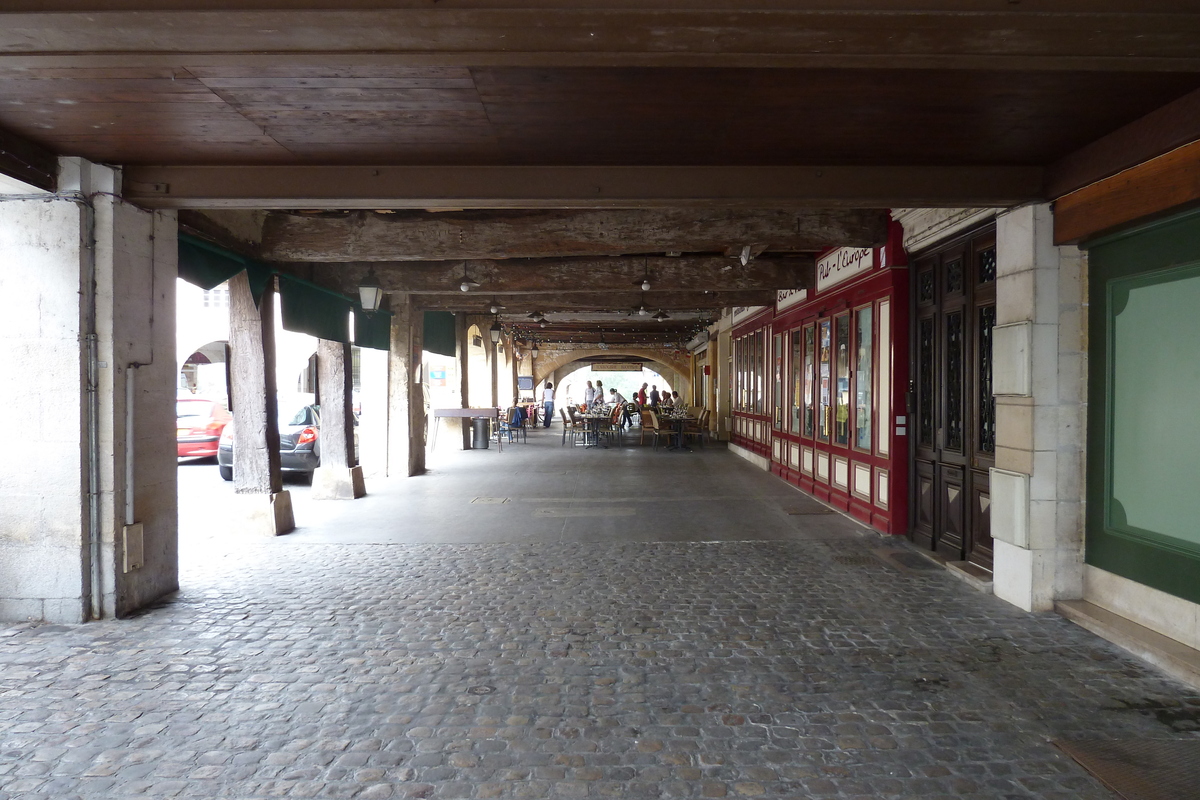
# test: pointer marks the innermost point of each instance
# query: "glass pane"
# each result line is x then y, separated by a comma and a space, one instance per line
842, 427
885, 377
925, 354
987, 403
987, 265
954, 277
777, 399
925, 287
797, 392
825, 378
1154, 369
862, 379
954, 381
810, 346
760, 404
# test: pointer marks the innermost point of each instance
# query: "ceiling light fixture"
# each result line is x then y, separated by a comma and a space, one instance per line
466, 284
661, 315
494, 332
370, 292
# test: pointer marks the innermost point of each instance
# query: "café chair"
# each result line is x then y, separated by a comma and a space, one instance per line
569, 427
650, 425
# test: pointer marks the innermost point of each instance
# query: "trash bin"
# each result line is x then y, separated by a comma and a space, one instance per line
481, 433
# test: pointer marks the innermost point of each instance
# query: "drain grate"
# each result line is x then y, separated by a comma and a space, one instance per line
490, 501
1141, 769
856, 561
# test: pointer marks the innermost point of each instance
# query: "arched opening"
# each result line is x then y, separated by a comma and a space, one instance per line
626, 376
205, 372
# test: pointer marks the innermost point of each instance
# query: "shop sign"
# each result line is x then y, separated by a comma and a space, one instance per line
843, 264
739, 313
786, 298
610, 366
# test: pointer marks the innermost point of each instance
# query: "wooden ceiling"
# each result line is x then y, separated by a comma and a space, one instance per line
452, 105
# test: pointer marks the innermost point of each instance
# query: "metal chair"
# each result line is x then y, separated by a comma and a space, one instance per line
569, 427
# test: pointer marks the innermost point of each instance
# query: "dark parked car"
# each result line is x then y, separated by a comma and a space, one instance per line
198, 426
299, 441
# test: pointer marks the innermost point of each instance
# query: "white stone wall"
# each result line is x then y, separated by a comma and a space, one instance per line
46, 258
1040, 377
42, 575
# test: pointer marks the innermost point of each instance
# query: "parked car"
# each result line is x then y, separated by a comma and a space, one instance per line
198, 426
299, 439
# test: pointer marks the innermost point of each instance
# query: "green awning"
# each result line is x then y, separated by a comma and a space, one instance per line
206, 265
440, 336
372, 329
307, 308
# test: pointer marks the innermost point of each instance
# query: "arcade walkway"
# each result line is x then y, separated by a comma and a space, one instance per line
554, 623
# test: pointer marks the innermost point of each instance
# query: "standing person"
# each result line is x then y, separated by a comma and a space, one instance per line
548, 403
589, 395
641, 395
600, 392
619, 399
654, 397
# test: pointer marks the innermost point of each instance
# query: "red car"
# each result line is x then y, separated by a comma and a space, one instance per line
198, 426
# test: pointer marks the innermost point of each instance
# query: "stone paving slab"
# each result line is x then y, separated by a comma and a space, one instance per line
803, 667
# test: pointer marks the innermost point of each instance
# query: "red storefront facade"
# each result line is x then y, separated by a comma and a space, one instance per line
820, 384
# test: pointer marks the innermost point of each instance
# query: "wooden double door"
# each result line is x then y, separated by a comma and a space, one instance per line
953, 425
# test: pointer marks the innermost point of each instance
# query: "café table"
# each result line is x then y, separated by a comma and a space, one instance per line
678, 422
593, 421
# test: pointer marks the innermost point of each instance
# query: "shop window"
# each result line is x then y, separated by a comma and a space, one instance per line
842, 422
777, 394
810, 348
884, 391
795, 409
825, 381
863, 401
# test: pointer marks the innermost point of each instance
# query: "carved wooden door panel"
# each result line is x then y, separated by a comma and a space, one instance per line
954, 421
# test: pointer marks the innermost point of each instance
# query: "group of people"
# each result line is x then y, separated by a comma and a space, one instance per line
646, 397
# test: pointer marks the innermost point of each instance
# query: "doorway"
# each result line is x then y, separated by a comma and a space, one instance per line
954, 424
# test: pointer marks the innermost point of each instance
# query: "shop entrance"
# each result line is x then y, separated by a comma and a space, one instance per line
954, 424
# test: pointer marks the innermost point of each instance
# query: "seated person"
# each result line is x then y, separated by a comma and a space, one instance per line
665, 401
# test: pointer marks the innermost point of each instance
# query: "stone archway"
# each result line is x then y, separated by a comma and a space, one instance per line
551, 359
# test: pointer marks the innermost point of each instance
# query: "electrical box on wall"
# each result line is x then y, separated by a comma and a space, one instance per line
133, 547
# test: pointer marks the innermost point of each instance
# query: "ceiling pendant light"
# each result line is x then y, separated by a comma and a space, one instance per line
466, 284
370, 292
661, 315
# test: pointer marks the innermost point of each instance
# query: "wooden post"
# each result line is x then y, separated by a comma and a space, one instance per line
255, 408
495, 376
338, 477
460, 331
406, 400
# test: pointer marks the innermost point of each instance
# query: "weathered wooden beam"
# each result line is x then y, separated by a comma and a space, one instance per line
384, 187
598, 301
552, 275
420, 235
1160, 131
969, 34
28, 162
1161, 185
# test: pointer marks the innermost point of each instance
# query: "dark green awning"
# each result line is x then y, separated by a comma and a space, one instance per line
206, 265
307, 308
439, 333
373, 329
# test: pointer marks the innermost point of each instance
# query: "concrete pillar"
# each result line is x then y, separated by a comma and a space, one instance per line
88, 522
406, 395
338, 477
1039, 377
267, 508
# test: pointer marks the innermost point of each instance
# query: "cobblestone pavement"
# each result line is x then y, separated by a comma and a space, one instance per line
815, 667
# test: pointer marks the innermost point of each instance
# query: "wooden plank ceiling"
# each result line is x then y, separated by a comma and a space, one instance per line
767, 107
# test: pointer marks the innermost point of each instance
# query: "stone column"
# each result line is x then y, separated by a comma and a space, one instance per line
1039, 381
338, 477
495, 355
256, 473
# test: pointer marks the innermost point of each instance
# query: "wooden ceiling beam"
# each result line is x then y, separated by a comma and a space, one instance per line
523, 234
1059, 34
682, 300
528, 276
460, 187
28, 162
1159, 132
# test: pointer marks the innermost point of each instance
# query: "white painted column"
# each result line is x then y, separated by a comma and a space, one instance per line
1040, 385
88, 343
